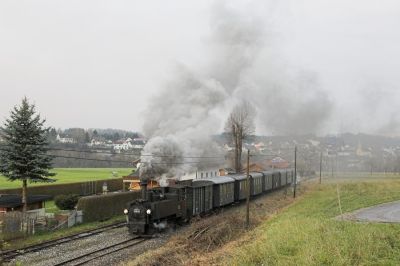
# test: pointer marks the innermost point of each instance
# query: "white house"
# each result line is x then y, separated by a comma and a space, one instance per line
126, 145
201, 174
65, 140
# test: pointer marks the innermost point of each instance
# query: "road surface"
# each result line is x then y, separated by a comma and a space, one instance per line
386, 213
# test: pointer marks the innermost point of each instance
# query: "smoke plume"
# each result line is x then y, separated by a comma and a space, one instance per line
183, 116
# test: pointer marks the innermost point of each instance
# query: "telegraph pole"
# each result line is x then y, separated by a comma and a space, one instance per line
295, 171
320, 168
248, 191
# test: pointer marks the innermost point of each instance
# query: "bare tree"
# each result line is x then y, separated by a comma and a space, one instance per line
240, 124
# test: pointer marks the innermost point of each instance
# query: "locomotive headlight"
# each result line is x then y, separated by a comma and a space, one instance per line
126, 211
148, 211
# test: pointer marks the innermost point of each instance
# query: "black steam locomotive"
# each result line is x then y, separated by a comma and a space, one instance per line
178, 203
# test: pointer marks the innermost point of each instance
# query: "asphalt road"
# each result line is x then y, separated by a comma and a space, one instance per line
387, 213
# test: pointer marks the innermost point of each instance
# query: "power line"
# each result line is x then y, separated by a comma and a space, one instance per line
121, 161
139, 155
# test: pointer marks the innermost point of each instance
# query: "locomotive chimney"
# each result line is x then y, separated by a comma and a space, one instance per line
145, 173
143, 188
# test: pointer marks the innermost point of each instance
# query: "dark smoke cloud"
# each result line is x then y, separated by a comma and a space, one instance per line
181, 118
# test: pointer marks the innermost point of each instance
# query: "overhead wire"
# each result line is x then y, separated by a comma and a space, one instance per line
139, 155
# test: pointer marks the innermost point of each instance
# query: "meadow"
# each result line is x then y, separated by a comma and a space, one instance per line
307, 233
73, 175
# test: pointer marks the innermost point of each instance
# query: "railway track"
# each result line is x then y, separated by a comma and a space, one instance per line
91, 256
8, 255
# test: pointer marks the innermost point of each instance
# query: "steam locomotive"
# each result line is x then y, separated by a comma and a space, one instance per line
165, 206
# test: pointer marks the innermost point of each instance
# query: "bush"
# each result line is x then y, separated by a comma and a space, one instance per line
66, 202
103, 207
80, 188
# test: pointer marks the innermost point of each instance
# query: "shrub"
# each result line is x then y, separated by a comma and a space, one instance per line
80, 188
103, 207
66, 202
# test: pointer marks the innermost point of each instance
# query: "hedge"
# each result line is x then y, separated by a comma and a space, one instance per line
80, 188
103, 207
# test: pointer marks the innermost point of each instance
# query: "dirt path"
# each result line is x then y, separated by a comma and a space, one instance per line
384, 213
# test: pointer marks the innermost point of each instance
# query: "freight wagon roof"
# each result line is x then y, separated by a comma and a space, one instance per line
201, 183
219, 180
256, 174
270, 172
238, 177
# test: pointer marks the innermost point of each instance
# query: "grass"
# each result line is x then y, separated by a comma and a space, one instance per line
51, 207
307, 234
72, 175
46, 236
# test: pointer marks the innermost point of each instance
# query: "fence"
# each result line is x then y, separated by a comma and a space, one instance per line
15, 225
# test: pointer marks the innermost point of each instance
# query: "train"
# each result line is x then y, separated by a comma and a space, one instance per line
162, 207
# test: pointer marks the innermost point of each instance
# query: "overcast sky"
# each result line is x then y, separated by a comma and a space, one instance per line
98, 64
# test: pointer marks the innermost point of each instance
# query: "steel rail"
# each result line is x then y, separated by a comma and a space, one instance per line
109, 250
8, 255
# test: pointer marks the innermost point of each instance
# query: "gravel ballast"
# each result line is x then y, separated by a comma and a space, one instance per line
66, 251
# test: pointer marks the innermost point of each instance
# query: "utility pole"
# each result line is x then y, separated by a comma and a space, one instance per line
248, 191
320, 168
295, 171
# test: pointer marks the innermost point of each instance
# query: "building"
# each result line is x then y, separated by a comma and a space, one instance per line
138, 143
203, 173
65, 139
12, 202
265, 165
123, 145
132, 182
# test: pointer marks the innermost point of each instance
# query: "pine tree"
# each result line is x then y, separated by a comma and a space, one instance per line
23, 155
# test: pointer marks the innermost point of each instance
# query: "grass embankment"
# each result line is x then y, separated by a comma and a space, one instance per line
307, 234
359, 176
287, 232
73, 175
199, 243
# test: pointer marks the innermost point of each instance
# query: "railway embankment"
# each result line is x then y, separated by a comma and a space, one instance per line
197, 243
307, 232
291, 232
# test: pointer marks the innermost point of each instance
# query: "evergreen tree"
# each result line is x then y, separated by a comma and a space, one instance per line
23, 154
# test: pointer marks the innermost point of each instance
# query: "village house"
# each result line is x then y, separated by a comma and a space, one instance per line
264, 165
123, 145
65, 139
138, 143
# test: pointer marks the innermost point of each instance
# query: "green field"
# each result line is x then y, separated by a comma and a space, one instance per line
72, 175
307, 233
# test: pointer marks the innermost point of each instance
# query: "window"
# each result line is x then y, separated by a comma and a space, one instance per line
201, 175
206, 174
